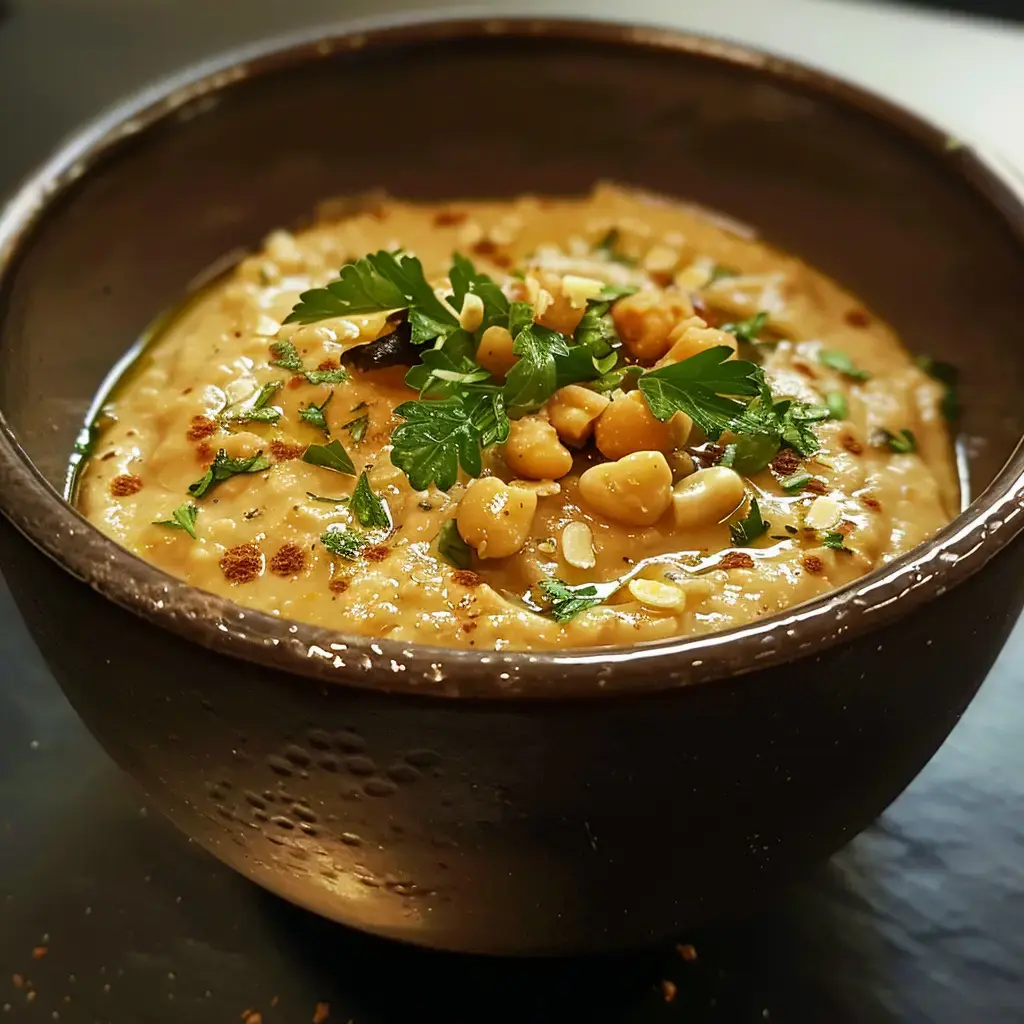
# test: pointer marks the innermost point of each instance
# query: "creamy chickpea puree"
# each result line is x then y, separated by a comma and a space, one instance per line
640, 487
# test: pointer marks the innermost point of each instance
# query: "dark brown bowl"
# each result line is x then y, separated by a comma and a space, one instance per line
510, 803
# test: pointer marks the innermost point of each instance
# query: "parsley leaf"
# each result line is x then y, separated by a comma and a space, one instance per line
466, 281
749, 528
902, 443
948, 374
486, 408
534, 378
259, 411
441, 373
182, 518
337, 376
596, 330
315, 417
567, 602
835, 540
378, 282
838, 407
748, 330
423, 328
330, 456
357, 428
841, 363
286, 355
795, 420
451, 547
702, 386
343, 541
436, 438
369, 509
750, 453
520, 316
223, 468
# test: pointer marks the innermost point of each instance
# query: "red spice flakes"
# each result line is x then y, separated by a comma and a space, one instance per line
242, 564
200, 427
846, 528
686, 951
813, 564
297, 381
786, 463
668, 990
816, 486
736, 560
285, 451
468, 627
122, 486
872, 503
321, 1013
449, 218
338, 586
485, 247
467, 578
329, 364
288, 560
851, 444
377, 553
39, 952
857, 318
204, 454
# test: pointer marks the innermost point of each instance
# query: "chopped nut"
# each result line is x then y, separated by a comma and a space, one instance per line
579, 290
823, 513
657, 595
472, 315
668, 990
122, 486
661, 259
578, 546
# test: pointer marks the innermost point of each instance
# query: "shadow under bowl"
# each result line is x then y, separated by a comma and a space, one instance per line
510, 803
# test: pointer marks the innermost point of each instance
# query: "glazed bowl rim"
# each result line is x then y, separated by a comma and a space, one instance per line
39, 511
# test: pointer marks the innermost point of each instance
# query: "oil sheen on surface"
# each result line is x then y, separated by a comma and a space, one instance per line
258, 534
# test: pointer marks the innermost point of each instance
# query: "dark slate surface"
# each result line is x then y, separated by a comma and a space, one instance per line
921, 919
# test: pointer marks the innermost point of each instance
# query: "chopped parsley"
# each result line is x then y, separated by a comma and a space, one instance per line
343, 541
443, 372
330, 456
451, 547
841, 363
335, 376
357, 428
437, 437
182, 518
224, 467
466, 281
315, 415
902, 443
368, 508
746, 530
259, 411
596, 330
750, 453
795, 482
534, 378
749, 329
835, 540
837, 405
286, 355
566, 602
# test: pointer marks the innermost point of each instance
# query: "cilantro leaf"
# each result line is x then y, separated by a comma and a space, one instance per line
343, 541
702, 387
566, 601
746, 530
841, 363
378, 282
315, 416
902, 443
466, 281
948, 374
357, 428
330, 456
438, 436
336, 376
835, 540
534, 378
614, 378
224, 467
749, 329
182, 518
451, 547
259, 411
369, 509
286, 355
838, 407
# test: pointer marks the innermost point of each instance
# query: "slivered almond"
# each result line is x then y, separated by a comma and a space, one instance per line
578, 546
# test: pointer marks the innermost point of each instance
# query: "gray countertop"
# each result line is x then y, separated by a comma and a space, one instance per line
920, 919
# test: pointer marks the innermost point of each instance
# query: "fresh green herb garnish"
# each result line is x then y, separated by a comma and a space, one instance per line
566, 601
336, 376
534, 378
378, 282
344, 542
748, 330
948, 374
223, 468
443, 374
357, 428
286, 355
451, 547
343, 500
614, 378
837, 405
750, 453
705, 387
749, 528
436, 438
259, 411
608, 247
596, 330
835, 540
841, 363
368, 508
330, 456
795, 482
466, 281
795, 419
315, 415
182, 518
902, 443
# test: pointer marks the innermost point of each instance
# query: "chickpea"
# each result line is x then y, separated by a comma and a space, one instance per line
636, 490
707, 497
495, 518
628, 426
494, 353
645, 321
534, 452
559, 314
572, 411
689, 338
